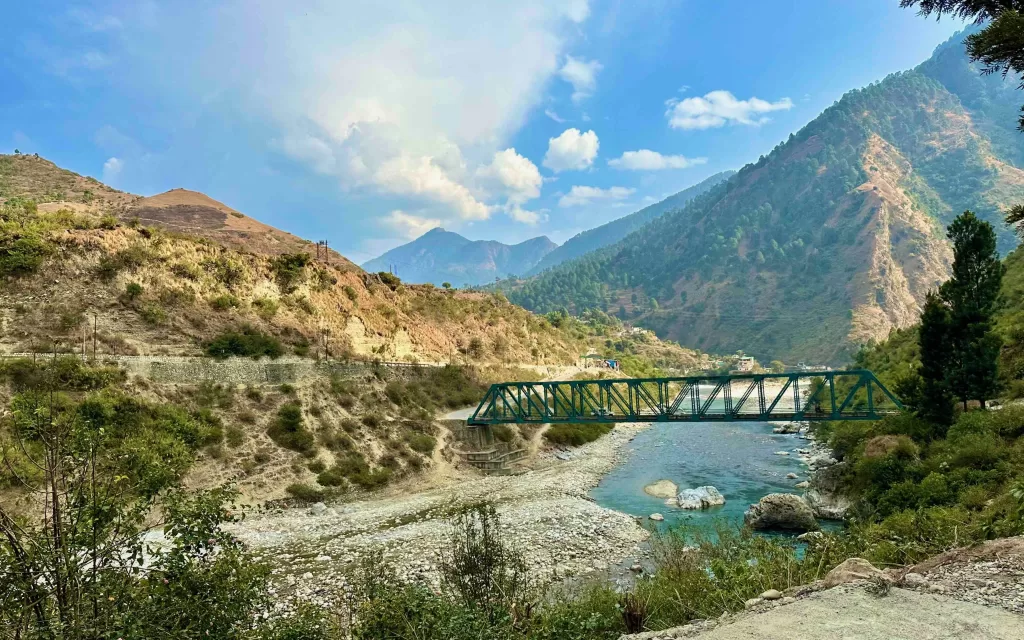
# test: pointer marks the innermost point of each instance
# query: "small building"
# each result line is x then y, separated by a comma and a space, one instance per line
745, 364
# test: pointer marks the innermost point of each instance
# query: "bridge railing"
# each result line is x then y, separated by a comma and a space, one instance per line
829, 395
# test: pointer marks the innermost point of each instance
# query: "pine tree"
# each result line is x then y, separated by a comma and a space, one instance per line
971, 296
936, 401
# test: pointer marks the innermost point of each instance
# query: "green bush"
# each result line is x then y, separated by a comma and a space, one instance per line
153, 314
289, 269
350, 293
289, 431
421, 443
21, 255
246, 341
224, 302
265, 307
576, 434
128, 259
132, 290
305, 493
389, 279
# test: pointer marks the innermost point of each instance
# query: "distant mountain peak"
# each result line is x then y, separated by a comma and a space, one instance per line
440, 256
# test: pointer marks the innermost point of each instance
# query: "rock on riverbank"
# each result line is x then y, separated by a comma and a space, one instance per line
699, 498
781, 511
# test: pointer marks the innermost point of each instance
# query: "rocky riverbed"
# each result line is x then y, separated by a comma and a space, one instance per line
546, 512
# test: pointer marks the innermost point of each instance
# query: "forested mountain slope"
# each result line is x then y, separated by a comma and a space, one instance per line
614, 231
829, 241
440, 256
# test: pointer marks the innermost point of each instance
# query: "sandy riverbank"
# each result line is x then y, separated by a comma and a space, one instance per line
546, 512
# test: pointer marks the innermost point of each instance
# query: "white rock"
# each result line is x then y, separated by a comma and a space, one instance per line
699, 498
318, 509
657, 517
802, 485
915, 580
782, 453
791, 476
753, 602
772, 594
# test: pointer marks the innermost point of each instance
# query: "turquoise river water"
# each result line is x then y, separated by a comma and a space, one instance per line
736, 457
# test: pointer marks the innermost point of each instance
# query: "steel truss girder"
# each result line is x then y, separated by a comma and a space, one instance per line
682, 400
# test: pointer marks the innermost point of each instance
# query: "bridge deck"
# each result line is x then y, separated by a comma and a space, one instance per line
830, 395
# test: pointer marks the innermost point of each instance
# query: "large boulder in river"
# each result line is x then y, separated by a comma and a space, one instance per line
781, 511
699, 498
661, 489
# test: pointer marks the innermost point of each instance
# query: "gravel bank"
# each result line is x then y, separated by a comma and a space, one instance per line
547, 512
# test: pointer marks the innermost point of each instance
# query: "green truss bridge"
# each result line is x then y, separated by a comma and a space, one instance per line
813, 396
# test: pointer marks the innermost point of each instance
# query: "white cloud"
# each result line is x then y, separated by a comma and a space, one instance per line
94, 22
518, 177
580, 195
519, 214
551, 113
582, 75
395, 97
571, 150
310, 150
112, 169
647, 160
717, 108
408, 225
421, 176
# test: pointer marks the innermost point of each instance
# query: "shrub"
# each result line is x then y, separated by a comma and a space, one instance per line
286, 388
225, 270
129, 259
576, 434
265, 307
288, 269
246, 341
389, 279
305, 493
186, 271
504, 433
153, 313
21, 255
422, 443
235, 436
350, 293
372, 420
289, 431
224, 302
132, 290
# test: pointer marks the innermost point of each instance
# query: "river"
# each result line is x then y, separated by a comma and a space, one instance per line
739, 458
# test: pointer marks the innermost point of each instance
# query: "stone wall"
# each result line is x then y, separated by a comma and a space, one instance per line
243, 371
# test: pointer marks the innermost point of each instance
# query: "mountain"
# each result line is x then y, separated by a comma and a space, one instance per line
832, 239
164, 275
614, 231
440, 256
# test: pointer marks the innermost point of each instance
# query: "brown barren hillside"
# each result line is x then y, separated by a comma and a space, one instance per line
173, 274
196, 213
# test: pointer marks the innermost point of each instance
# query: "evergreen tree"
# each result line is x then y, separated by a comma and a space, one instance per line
971, 296
935, 400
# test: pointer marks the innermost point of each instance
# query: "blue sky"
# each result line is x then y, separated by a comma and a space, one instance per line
367, 123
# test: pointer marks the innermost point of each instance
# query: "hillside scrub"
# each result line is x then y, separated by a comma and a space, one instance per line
246, 342
289, 430
576, 434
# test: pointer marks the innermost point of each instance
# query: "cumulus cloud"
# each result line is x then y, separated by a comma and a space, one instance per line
421, 176
112, 169
352, 91
581, 195
410, 226
647, 160
519, 214
571, 150
718, 108
515, 175
582, 75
